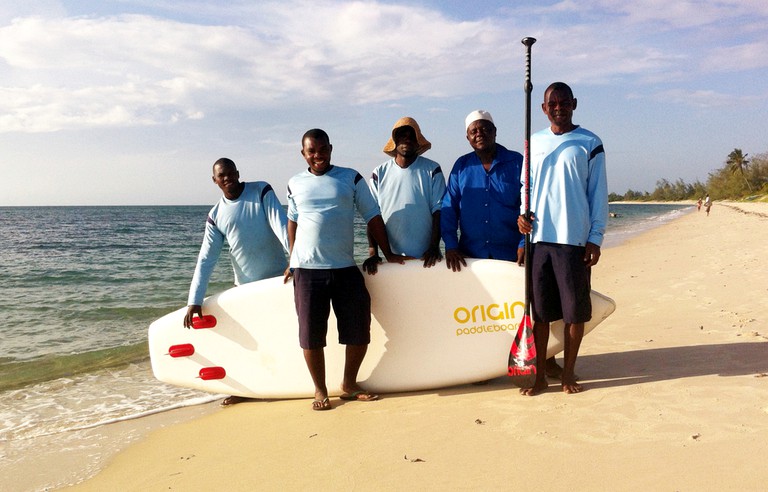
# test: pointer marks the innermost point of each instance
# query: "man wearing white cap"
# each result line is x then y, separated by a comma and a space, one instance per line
409, 189
482, 199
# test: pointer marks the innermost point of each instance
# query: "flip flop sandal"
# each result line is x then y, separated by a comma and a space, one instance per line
320, 405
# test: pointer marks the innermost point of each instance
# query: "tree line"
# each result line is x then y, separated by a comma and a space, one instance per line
740, 177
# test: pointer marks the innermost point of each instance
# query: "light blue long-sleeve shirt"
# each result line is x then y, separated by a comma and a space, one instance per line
323, 208
569, 187
255, 227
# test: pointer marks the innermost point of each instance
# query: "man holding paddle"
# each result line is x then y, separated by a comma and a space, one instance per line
481, 202
569, 212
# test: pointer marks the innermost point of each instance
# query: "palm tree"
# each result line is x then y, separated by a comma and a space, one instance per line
737, 162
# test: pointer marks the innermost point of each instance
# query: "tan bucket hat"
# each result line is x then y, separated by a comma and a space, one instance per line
424, 144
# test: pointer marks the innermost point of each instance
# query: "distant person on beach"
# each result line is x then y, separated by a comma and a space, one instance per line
698, 205
409, 190
321, 209
569, 205
481, 203
250, 218
707, 204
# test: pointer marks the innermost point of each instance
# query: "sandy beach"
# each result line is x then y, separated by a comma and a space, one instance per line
676, 398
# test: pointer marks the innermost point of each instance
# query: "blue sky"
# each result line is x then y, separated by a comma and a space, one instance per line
131, 101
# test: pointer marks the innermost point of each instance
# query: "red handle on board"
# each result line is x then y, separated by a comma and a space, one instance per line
207, 321
181, 350
208, 373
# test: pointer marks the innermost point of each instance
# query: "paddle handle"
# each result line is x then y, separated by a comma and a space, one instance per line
528, 42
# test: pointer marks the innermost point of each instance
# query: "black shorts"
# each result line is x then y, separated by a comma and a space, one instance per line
314, 292
561, 283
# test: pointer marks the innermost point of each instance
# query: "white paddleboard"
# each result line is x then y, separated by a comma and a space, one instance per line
431, 328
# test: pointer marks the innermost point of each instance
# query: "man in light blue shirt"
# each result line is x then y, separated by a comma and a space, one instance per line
569, 205
409, 190
250, 218
321, 205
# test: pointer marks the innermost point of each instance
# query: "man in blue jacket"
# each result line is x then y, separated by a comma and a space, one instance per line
480, 207
482, 202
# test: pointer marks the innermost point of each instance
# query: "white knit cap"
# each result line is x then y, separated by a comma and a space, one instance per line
480, 114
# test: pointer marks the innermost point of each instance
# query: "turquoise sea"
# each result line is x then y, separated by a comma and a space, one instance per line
80, 286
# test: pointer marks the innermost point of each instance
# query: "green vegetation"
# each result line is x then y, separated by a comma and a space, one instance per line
740, 178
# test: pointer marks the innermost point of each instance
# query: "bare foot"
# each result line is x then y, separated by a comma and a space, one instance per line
553, 369
538, 387
572, 387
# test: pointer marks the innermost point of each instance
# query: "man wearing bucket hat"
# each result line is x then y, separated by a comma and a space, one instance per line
482, 202
409, 189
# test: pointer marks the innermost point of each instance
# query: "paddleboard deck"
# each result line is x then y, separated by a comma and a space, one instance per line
431, 328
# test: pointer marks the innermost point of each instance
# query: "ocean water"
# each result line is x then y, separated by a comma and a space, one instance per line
629, 220
80, 286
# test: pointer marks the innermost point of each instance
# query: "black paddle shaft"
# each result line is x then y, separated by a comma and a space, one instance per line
528, 42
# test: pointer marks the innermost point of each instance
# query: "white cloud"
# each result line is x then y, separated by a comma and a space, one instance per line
747, 56
682, 13
61, 72
704, 98
11, 9
140, 69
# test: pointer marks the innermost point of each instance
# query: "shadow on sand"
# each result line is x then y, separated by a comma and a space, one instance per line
651, 365
670, 363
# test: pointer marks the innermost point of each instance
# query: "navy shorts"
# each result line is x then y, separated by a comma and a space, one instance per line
314, 292
561, 283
